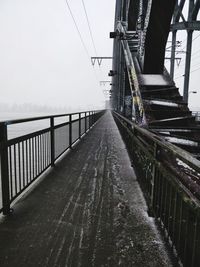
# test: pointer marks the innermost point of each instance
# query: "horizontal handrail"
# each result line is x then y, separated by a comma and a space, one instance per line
176, 151
24, 158
16, 121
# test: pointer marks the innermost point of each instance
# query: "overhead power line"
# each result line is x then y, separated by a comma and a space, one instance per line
194, 70
181, 76
196, 37
186, 44
196, 52
89, 27
194, 65
80, 36
190, 72
78, 31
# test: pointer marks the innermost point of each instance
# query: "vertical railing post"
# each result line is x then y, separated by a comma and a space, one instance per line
52, 141
79, 117
156, 153
70, 130
85, 122
94, 117
4, 169
89, 119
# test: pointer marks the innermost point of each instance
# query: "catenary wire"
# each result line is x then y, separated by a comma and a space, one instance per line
186, 44
89, 27
190, 72
78, 31
80, 36
197, 51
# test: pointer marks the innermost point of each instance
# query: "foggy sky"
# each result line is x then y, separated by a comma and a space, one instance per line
41, 57
43, 61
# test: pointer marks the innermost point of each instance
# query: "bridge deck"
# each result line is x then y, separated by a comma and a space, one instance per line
88, 211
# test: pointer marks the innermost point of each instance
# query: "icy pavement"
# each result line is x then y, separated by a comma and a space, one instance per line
88, 211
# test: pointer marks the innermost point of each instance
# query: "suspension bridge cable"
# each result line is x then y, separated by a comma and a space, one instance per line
78, 31
89, 27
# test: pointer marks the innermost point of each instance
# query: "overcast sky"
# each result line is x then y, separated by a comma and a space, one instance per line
194, 99
43, 61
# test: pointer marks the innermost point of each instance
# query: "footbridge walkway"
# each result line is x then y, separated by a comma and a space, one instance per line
99, 201
86, 211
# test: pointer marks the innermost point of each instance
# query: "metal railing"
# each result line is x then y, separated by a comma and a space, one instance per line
196, 114
170, 179
23, 159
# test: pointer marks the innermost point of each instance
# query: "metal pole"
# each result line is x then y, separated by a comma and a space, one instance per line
89, 119
85, 122
52, 142
79, 118
173, 51
4, 169
93, 121
187, 65
70, 130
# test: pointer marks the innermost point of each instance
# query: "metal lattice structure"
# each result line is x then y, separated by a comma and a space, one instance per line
189, 24
144, 95
142, 88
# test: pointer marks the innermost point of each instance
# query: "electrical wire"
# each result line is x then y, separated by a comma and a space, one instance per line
91, 34
196, 52
197, 64
89, 27
80, 36
176, 78
193, 65
186, 44
194, 70
181, 66
196, 37
78, 31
